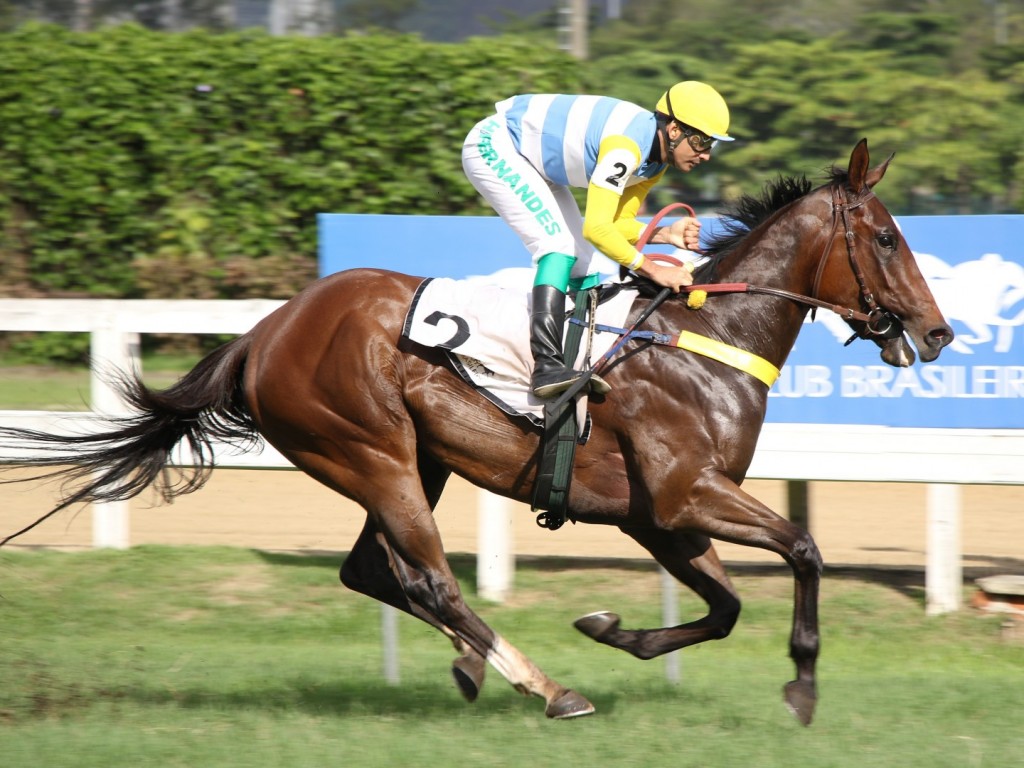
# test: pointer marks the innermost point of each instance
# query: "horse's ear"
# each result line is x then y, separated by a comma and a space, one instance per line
858, 172
861, 178
875, 174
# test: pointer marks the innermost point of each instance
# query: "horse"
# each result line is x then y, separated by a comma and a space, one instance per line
328, 381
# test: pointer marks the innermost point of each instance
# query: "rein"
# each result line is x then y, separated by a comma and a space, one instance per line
663, 294
845, 312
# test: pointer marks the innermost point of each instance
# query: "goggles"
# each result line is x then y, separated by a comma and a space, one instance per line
699, 142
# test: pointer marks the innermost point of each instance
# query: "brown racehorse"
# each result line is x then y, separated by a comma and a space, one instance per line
327, 381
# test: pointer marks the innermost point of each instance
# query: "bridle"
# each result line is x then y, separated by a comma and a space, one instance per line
878, 321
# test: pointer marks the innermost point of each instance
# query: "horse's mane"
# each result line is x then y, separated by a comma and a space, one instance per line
747, 213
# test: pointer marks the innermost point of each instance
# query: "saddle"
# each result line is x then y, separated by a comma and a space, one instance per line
483, 325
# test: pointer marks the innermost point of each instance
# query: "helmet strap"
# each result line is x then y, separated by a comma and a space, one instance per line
670, 144
673, 143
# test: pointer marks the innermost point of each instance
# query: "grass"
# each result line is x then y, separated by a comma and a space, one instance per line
66, 388
227, 657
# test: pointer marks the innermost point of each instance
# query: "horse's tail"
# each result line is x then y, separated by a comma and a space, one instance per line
131, 453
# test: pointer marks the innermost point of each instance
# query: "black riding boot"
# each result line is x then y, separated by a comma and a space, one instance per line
551, 376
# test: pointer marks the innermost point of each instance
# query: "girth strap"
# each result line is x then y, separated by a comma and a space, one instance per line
561, 434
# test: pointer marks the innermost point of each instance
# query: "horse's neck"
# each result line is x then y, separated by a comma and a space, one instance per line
783, 254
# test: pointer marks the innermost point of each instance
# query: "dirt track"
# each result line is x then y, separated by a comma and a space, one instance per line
853, 523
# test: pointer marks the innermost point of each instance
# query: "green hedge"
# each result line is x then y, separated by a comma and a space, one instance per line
136, 163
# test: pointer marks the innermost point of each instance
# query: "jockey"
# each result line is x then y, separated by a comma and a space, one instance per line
525, 158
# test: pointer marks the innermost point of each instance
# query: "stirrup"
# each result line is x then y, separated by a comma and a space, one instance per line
596, 384
551, 389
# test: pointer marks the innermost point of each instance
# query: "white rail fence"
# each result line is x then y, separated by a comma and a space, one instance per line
944, 459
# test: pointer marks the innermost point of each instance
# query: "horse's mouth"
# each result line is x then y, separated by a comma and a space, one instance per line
899, 353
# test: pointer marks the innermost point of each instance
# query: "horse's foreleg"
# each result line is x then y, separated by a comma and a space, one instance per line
805, 560
721, 509
691, 559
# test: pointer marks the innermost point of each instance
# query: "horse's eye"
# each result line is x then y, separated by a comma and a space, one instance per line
887, 241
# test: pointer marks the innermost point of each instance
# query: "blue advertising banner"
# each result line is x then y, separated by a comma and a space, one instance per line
974, 265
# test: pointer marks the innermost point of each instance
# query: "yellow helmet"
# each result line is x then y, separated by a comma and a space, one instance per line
699, 106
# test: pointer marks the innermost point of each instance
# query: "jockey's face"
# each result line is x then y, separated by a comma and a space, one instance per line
691, 147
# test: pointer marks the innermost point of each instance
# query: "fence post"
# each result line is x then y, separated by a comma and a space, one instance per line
670, 618
797, 503
110, 349
944, 573
389, 643
495, 562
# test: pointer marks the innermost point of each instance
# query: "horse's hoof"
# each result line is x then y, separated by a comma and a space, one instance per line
801, 697
569, 704
468, 672
596, 625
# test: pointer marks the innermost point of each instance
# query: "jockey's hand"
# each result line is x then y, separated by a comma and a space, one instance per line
682, 233
667, 276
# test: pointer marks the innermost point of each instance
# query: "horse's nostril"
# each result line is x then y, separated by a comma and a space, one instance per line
940, 337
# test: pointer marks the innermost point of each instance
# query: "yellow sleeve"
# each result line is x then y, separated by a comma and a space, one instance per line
629, 207
609, 222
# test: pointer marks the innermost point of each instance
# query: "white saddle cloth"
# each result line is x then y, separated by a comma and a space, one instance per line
484, 324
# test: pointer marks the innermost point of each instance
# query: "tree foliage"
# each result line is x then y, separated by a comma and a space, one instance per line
381, 14
799, 103
136, 163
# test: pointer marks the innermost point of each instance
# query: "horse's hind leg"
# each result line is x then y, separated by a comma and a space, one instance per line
400, 524
691, 559
354, 434
428, 582
370, 569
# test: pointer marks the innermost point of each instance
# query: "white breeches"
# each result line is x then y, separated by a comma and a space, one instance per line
544, 215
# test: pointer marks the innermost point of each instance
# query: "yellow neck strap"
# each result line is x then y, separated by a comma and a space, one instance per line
756, 366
